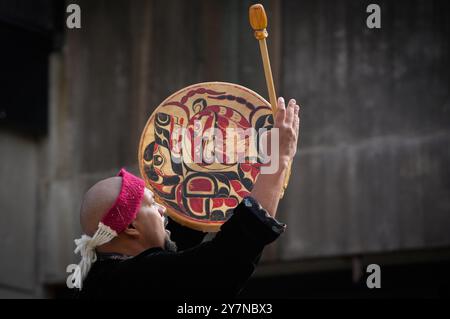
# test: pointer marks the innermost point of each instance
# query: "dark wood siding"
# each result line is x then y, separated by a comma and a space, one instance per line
372, 172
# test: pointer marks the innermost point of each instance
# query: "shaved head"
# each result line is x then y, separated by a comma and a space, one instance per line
97, 201
145, 231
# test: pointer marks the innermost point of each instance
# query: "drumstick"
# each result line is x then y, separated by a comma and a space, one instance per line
258, 21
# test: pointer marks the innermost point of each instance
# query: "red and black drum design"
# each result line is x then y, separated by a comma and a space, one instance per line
189, 161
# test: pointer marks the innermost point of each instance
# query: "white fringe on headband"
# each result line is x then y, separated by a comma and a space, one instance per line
86, 247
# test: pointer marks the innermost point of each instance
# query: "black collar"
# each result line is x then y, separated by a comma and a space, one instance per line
112, 256
117, 256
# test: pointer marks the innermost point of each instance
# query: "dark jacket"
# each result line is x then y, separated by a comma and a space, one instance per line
217, 268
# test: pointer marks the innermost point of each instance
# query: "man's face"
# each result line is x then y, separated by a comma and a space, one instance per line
151, 221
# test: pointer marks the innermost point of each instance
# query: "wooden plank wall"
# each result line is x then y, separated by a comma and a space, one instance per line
372, 174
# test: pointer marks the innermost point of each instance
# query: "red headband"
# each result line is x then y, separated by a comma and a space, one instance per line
118, 217
127, 204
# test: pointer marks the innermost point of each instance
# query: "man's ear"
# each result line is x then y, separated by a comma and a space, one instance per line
131, 230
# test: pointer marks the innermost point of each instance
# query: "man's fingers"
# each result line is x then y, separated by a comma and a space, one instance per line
296, 120
281, 112
290, 112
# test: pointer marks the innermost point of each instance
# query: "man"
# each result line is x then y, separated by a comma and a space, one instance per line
128, 253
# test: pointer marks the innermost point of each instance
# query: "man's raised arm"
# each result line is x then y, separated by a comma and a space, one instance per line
266, 189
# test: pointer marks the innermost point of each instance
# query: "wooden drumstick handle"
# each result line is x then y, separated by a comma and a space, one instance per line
258, 21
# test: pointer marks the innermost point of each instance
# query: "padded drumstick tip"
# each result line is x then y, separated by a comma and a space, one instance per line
257, 17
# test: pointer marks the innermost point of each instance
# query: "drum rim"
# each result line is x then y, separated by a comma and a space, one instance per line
179, 218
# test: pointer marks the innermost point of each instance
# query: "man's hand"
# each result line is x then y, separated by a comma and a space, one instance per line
267, 187
287, 122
